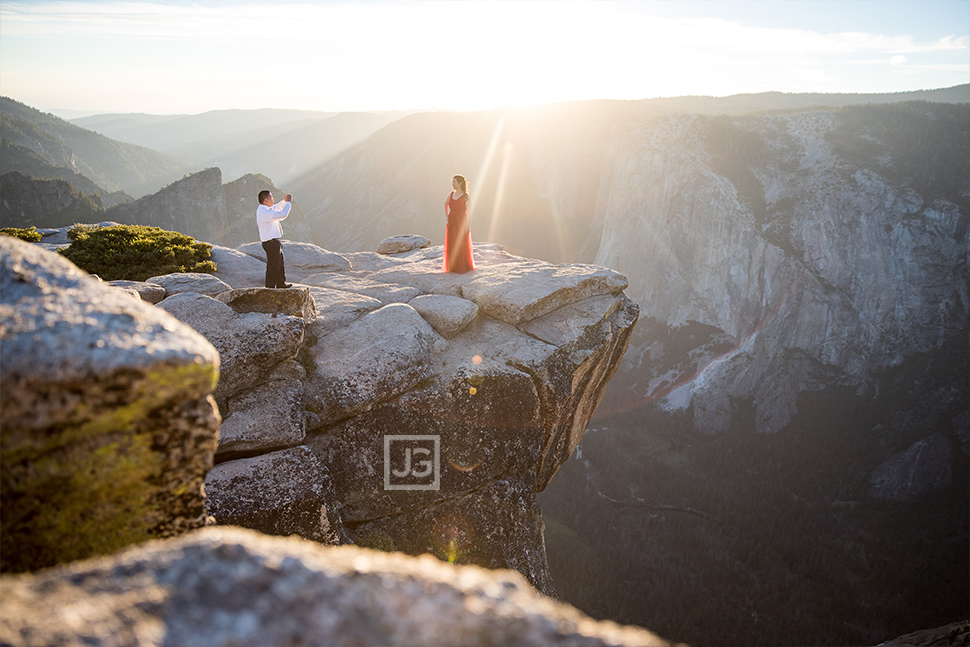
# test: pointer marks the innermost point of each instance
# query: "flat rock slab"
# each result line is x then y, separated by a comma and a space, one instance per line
337, 309
250, 344
238, 269
447, 315
569, 324
403, 243
296, 302
378, 357
520, 292
229, 586
427, 276
264, 418
197, 282
301, 259
367, 262
386, 293
149, 292
485, 254
280, 493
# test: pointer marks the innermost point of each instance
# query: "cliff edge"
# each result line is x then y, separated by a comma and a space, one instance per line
422, 411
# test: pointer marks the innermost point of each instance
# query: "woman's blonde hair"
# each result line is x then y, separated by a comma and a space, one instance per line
462, 183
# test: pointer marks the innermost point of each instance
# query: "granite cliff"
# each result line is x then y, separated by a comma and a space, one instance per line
812, 266
489, 377
28, 202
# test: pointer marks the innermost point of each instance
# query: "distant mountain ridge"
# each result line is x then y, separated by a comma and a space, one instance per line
113, 166
163, 132
518, 161
26, 160
763, 101
276, 143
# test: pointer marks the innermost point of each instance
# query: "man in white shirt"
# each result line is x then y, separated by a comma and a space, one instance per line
268, 217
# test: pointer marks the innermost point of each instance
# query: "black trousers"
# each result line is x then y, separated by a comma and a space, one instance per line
275, 272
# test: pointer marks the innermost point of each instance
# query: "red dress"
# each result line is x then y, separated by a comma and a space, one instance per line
458, 236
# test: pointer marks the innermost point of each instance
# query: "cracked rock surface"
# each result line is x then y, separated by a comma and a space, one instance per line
433, 406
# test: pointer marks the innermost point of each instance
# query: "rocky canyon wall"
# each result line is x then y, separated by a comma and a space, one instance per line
811, 267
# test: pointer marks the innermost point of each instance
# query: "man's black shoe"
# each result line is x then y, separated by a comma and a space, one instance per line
285, 285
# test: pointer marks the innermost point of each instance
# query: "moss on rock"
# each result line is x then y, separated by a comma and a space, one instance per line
111, 476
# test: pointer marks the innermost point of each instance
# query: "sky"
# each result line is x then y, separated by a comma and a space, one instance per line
76, 57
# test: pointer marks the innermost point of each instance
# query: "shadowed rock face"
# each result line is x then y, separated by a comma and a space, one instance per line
508, 398
44, 203
430, 427
222, 586
955, 634
195, 206
107, 423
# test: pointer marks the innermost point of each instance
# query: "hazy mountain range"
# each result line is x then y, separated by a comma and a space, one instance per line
783, 457
111, 165
276, 143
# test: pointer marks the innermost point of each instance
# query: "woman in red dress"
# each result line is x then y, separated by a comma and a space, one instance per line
458, 233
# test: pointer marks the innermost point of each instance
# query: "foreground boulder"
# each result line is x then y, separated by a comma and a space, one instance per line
219, 587
108, 425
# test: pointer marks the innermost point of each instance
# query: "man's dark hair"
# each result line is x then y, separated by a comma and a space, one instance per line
263, 195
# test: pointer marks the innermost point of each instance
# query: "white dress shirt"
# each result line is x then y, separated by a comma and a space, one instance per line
268, 219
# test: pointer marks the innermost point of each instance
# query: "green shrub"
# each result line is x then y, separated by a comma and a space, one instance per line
135, 252
31, 235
